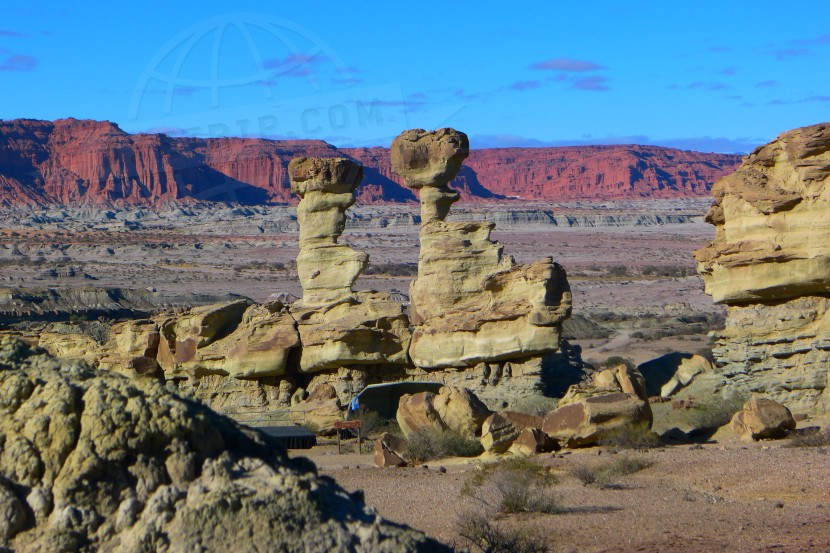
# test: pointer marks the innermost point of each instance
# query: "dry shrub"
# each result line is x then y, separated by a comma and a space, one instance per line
426, 444
604, 475
485, 536
631, 436
816, 438
514, 485
536, 406
716, 411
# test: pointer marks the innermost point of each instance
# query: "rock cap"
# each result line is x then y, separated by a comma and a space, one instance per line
429, 158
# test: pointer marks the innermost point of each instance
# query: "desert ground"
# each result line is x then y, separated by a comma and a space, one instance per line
723, 495
632, 277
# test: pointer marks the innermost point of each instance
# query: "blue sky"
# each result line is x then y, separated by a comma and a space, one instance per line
710, 76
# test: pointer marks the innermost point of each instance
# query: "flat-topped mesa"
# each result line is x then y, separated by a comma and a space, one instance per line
326, 186
428, 161
770, 263
470, 302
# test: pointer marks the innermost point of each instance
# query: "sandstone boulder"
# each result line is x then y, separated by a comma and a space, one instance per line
470, 302
94, 461
532, 441
592, 414
762, 419
318, 415
497, 434
390, 451
454, 409
670, 373
770, 264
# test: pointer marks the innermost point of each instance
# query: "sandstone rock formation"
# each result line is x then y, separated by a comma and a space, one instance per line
390, 451
762, 419
770, 263
586, 414
72, 161
95, 461
454, 409
498, 434
338, 327
672, 372
470, 302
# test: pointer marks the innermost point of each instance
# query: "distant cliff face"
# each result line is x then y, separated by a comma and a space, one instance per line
72, 161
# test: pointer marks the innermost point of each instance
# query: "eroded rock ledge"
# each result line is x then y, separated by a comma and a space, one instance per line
770, 263
477, 319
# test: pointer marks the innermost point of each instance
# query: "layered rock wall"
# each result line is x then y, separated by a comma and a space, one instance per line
770, 263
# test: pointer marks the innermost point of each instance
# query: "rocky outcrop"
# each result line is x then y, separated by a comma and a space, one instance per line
615, 399
470, 302
338, 327
71, 161
770, 263
95, 461
762, 419
572, 172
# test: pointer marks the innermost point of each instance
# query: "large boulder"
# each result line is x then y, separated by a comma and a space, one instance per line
471, 303
454, 409
498, 434
615, 399
770, 264
390, 451
670, 373
762, 419
94, 461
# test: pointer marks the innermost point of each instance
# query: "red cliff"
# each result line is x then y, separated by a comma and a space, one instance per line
72, 161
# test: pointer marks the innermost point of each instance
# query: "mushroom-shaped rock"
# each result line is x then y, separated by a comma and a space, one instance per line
470, 302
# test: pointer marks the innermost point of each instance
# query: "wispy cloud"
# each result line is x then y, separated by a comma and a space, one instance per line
594, 83
566, 64
707, 85
817, 99
784, 54
766, 84
15, 34
730, 71
719, 49
525, 85
18, 62
824, 39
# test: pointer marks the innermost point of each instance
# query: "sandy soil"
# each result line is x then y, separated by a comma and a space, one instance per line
723, 496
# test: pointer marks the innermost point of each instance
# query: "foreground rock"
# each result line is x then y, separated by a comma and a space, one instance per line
95, 461
762, 419
770, 263
470, 302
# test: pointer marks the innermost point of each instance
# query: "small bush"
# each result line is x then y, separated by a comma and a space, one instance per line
717, 411
603, 475
535, 405
426, 444
616, 360
514, 485
487, 537
631, 436
818, 438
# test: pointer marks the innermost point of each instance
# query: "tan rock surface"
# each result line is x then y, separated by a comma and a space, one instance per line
470, 302
762, 419
498, 434
770, 263
455, 409
585, 421
114, 464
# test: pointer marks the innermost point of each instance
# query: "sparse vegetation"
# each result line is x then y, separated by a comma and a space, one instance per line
485, 536
631, 436
427, 444
535, 405
616, 360
514, 485
716, 411
392, 269
817, 438
604, 475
